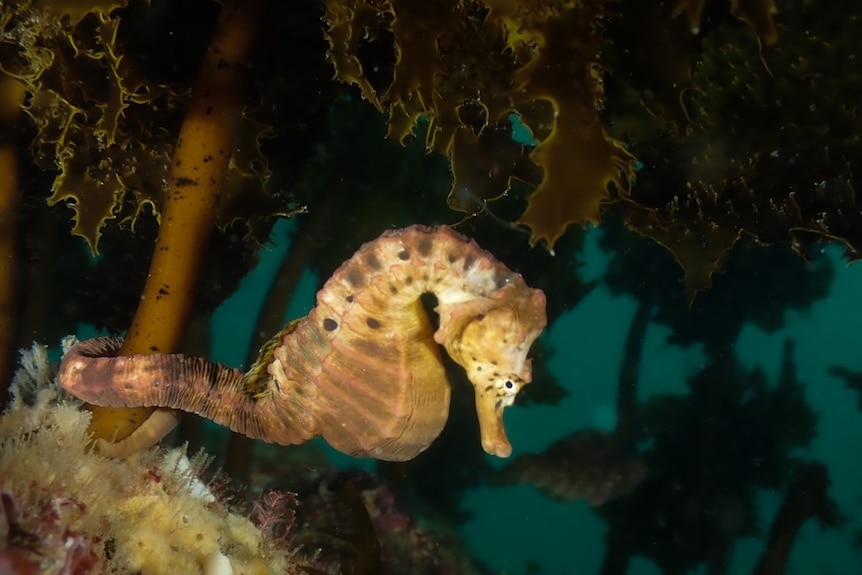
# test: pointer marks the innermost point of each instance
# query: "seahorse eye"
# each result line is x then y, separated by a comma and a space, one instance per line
509, 385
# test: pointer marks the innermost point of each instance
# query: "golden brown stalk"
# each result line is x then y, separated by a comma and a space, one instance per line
203, 151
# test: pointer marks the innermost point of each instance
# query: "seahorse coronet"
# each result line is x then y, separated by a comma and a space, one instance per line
363, 369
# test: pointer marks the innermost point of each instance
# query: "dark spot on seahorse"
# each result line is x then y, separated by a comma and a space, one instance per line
408, 280
329, 324
373, 323
478, 368
183, 181
373, 262
452, 258
404, 255
502, 281
355, 276
489, 387
469, 261
424, 246
480, 317
349, 298
498, 404
392, 289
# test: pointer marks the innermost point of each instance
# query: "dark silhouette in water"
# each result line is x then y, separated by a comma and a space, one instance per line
587, 464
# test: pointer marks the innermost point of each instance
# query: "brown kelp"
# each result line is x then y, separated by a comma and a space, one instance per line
712, 164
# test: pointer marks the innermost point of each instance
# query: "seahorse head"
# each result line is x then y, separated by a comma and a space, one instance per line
491, 342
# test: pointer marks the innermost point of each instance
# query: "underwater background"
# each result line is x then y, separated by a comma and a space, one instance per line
678, 178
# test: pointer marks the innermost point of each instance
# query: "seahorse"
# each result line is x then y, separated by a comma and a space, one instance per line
363, 369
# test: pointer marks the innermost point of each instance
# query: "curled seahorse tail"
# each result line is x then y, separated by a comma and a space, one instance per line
92, 371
